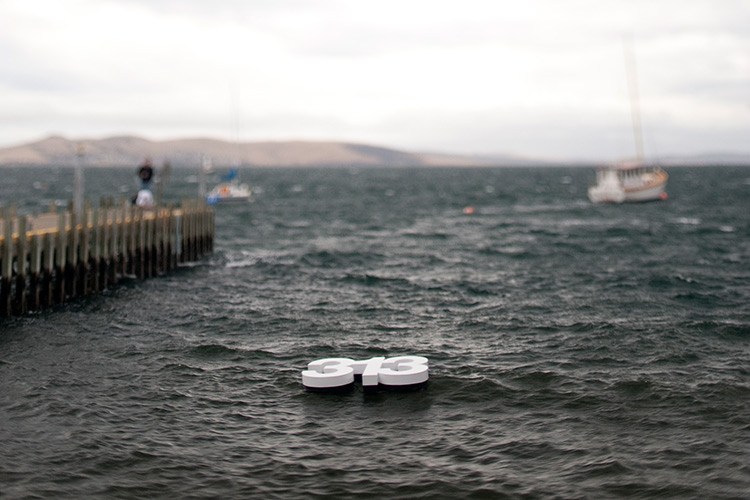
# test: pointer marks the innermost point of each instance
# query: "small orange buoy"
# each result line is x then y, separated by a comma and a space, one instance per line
468, 210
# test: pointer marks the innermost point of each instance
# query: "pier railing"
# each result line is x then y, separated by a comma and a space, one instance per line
53, 258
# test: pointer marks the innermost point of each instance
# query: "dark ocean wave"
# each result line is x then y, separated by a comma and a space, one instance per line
367, 279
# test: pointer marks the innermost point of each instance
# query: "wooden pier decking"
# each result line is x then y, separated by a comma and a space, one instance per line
54, 258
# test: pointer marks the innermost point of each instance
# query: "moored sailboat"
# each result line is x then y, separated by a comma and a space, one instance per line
630, 182
229, 190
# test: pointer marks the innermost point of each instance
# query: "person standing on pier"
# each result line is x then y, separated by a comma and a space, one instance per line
145, 198
146, 173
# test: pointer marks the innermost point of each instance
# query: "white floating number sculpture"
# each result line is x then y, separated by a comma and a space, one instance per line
339, 374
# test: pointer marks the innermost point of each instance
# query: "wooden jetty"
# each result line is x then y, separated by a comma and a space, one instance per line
54, 258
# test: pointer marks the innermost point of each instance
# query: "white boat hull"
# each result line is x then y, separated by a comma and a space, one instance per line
647, 194
618, 186
230, 192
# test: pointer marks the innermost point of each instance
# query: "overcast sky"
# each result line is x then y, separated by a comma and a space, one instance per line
536, 78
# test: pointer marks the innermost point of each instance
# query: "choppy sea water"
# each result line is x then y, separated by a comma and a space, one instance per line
576, 350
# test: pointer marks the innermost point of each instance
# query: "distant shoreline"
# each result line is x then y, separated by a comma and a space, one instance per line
127, 151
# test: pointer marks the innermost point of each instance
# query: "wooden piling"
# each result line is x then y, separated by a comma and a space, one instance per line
48, 268
60, 258
19, 299
82, 254
6, 294
35, 266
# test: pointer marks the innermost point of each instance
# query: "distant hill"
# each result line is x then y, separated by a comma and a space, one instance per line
128, 151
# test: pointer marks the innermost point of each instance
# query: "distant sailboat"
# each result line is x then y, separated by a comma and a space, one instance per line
229, 190
633, 181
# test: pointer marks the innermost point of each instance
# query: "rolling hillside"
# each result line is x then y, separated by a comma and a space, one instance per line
124, 151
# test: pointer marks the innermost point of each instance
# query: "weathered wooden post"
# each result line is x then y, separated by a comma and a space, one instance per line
160, 240
7, 265
192, 254
157, 241
168, 227
112, 244
140, 243
200, 219
179, 248
85, 281
35, 266
146, 247
61, 258
184, 248
48, 267
104, 243
152, 238
122, 234
92, 260
187, 213
71, 255
171, 235
211, 228
133, 234
21, 256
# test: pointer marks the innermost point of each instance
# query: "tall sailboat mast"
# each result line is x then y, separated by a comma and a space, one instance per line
635, 110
